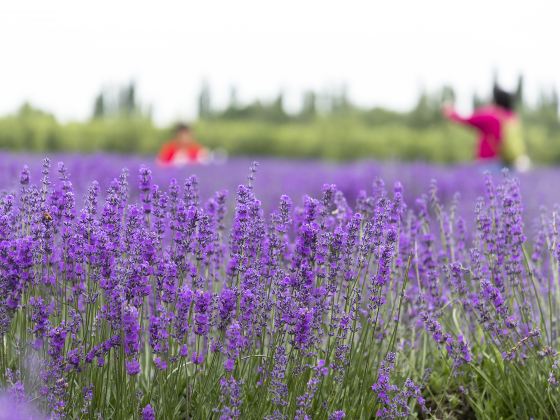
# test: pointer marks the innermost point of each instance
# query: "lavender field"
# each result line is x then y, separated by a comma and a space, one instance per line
287, 290
295, 178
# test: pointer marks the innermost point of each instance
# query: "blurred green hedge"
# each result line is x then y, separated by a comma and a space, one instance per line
333, 137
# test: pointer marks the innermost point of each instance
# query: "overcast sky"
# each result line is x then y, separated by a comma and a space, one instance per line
57, 54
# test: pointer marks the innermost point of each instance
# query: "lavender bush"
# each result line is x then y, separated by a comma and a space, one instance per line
148, 301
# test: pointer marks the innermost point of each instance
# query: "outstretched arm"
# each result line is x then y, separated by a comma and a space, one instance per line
451, 114
476, 120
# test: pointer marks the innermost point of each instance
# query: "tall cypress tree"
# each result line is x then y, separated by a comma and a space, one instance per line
99, 110
204, 103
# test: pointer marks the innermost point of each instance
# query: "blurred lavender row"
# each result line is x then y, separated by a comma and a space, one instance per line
295, 178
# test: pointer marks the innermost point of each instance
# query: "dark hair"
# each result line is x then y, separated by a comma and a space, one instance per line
503, 99
182, 127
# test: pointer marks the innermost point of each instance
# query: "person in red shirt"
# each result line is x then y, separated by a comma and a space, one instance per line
182, 149
490, 122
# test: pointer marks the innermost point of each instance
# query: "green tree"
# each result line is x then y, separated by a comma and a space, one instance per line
204, 102
99, 106
276, 110
426, 112
127, 100
309, 106
519, 91
447, 94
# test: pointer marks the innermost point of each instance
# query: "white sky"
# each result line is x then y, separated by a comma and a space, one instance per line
59, 53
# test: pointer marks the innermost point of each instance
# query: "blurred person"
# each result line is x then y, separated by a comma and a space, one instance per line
500, 140
182, 149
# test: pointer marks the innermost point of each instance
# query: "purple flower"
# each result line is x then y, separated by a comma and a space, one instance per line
337, 415
302, 328
184, 351
74, 357
183, 307
201, 307
148, 413
132, 367
160, 363
228, 300
230, 398
394, 399
57, 336
160, 325
131, 329
197, 358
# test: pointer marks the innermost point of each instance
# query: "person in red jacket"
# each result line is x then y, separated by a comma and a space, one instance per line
500, 139
489, 121
182, 149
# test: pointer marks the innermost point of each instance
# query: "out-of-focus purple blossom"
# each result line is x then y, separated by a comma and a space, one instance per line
148, 413
160, 363
131, 329
201, 307
11, 408
132, 367
337, 415
395, 400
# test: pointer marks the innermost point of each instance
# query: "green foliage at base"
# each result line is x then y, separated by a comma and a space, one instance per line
334, 137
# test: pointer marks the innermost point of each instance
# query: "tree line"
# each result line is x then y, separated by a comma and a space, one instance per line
327, 125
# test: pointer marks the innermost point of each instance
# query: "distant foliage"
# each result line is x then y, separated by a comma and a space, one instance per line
327, 126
